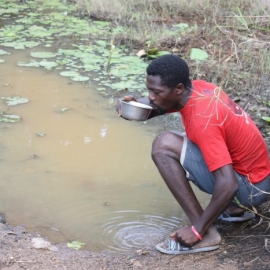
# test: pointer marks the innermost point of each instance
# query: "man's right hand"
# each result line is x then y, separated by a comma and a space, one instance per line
118, 105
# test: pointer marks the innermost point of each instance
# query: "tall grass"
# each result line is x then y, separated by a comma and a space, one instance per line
235, 33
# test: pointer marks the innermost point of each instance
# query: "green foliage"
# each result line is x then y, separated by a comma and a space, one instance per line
75, 245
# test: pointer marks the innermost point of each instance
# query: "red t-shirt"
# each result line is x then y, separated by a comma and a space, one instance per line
224, 132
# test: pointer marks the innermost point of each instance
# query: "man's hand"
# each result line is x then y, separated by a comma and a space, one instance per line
185, 236
118, 105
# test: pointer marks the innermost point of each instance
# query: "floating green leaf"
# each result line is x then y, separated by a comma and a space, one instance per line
43, 54
8, 118
12, 101
145, 94
15, 45
2, 52
198, 54
32, 63
41, 134
69, 73
80, 78
48, 64
75, 245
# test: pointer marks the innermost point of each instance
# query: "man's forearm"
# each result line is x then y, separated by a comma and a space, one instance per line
225, 189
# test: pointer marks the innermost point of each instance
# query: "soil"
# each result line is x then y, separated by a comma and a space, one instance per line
244, 245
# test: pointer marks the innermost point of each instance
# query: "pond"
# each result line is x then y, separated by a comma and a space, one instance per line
71, 169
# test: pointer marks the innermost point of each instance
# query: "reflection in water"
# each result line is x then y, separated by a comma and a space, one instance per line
91, 177
103, 131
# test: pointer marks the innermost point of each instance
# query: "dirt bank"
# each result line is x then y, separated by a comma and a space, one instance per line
244, 246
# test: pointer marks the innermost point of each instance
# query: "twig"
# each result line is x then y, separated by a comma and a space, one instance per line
24, 261
239, 236
266, 245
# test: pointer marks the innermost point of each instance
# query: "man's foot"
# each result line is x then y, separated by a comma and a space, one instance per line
209, 242
236, 214
234, 211
245, 216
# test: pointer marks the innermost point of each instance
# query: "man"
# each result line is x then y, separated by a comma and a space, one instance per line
223, 154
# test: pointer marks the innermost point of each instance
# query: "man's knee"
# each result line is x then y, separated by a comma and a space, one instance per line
168, 143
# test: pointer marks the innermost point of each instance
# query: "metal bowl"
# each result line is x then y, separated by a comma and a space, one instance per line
133, 110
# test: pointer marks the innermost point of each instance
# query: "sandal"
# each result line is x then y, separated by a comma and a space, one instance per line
174, 248
243, 217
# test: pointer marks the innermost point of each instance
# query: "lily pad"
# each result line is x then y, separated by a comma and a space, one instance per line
80, 78
9, 118
62, 110
181, 26
41, 134
32, 63
43, 54
69, 73
198, 54
48, 64
2, 52
75, 245
12, 101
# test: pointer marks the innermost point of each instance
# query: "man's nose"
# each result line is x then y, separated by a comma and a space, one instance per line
151, 96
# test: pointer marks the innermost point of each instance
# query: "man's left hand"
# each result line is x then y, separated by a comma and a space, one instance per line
185, 236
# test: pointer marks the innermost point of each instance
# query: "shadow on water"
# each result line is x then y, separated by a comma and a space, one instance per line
90, 178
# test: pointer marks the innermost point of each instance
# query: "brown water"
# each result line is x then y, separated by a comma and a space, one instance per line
92, 178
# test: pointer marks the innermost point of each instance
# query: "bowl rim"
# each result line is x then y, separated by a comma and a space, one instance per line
137, 104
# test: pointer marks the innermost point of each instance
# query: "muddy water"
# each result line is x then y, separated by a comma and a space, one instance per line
90, 178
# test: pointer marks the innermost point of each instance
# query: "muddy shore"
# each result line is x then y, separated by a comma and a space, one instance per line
244, 246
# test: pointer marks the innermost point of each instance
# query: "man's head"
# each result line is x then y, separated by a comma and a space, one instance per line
171, 69
168, 83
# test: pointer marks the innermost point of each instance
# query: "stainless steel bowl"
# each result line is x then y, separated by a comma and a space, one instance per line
133, 110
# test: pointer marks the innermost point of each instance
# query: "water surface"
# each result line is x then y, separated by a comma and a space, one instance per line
91, 177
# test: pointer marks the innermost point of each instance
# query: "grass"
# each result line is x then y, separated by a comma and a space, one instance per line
235, 33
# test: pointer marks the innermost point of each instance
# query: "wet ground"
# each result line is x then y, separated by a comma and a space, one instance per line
244, 246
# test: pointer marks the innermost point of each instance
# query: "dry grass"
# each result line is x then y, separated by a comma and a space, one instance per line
235, 33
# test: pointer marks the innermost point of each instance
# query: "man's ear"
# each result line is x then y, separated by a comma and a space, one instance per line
179, 88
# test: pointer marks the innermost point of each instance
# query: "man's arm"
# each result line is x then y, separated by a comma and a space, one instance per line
225, 189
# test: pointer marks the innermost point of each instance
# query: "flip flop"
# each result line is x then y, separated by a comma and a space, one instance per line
243, 217
175, 248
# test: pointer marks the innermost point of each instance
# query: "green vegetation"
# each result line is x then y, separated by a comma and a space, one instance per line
231, 39
225, 42
235, 33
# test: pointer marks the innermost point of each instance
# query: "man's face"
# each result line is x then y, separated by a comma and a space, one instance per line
161, 96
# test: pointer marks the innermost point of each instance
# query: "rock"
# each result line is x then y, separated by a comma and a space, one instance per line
2, 219
39, 243
137, 264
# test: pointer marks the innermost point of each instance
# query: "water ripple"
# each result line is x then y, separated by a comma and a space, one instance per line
144, 232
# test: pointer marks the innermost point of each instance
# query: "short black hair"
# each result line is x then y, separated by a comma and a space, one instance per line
172, 70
